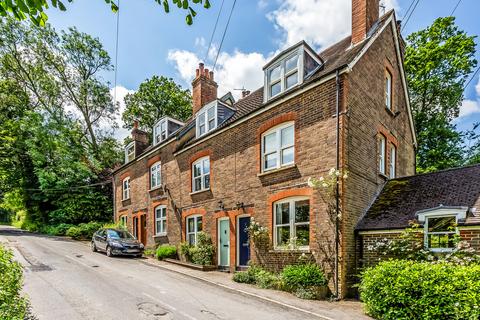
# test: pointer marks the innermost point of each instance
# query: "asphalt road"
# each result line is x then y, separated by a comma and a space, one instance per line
65, 280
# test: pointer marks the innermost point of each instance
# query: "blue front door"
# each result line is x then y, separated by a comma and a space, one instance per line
243, 241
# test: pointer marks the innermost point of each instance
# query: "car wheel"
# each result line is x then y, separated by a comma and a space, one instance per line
109, 252
138, 256
93, 246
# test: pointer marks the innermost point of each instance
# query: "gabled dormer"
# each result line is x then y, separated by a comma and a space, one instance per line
138, 145
290, 69
164, 128
130, 152
211, 116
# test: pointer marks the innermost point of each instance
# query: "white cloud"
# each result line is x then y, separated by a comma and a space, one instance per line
120, 133
469, 106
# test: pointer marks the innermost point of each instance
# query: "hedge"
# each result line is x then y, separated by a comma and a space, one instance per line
166, 251
12, 305
402, 289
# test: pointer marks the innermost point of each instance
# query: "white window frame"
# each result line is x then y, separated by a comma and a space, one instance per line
202, 175
195, 226
382, 154
157, 128
388, 90
160, 219
292, 224
284, 74
126, 188
278, 149
203, 114
124, 220
155, 175
127, 154
393, 161
460, 213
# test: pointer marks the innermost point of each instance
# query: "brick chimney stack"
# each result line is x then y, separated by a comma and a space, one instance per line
140, 139
364, 15
204, 88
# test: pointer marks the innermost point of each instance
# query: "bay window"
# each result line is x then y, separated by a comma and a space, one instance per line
292, 223
278, 146
201, 174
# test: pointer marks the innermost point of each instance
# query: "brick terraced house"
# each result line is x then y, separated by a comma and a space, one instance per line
235, 160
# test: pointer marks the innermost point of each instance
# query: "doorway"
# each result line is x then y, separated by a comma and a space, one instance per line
224, 242
243, 243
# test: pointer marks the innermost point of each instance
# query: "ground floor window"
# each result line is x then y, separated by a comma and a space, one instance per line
292, 223
440, 233
160, 220
194, 226
123, 220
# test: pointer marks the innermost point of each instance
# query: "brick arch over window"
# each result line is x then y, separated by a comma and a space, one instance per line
297, 192
153, 160
191, 212
286, 117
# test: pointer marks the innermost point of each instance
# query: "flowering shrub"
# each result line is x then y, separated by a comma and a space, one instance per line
402, 289
257, 232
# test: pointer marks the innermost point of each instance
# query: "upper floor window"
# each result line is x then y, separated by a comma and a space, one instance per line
201, 174
292, 223
155, 175
194, 226
388, 90
290, 68
278, 146
160, 220
160, 131
381, 154
126, 188
206, 119
393, 160
130, 152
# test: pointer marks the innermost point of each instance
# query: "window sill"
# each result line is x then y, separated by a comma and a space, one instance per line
199, 191
158, 235
156, 188
126, 199
441, 250
298, 250
276, 170
383, 175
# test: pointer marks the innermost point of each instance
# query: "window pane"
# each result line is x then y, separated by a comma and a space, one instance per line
197, 169
270, 161
201, 129
302, 211
441, 224
197, 184
291, 63
270, 142
199, 224
287, 155
309, 64
190, 225
441, 241
164, 212
292, 80
158, 227
206, 166
282, 212
275, 74
303, 235
275, 89
191, 239
164, 225
283, 236
206, 181
201, 118
287, 136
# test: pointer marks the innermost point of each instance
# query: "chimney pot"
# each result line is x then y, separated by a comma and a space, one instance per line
211, 75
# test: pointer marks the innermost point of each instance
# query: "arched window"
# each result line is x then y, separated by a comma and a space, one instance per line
291, 219
161, 220
201, 174
126, 188
278, 146
155, 175
194, 226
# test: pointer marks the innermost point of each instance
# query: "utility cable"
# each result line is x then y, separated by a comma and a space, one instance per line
408, 10
116, 56
73, 188
455, 8
213, 32
224, 33
410, 15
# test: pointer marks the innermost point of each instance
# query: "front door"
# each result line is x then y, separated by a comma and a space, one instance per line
224, 242
243, 241
143, 229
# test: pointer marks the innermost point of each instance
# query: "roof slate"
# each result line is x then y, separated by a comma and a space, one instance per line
401, 198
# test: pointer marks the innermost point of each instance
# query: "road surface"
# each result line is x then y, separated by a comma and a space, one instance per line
65, 280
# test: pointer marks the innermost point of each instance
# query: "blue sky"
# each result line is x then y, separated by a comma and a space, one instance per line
154, 43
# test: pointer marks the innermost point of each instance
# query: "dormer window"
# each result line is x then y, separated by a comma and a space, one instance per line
164, 128
290, 68
207, 119
130, 152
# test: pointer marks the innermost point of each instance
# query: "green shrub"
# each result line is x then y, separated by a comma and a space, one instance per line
149, 252
12, 304
117, 225
401, 289
204, 251
268, 280
84, 231
303, 276
243, 277
166, 251
184, 250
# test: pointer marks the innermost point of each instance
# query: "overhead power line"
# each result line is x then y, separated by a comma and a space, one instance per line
408, 10
410, 15
455, 8
224, 33
213, 32
75, 187
473, 77
116, 55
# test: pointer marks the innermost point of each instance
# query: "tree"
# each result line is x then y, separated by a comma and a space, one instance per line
21, 9
155, 98
438, 61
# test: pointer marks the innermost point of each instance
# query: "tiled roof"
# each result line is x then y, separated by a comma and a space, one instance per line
401, 198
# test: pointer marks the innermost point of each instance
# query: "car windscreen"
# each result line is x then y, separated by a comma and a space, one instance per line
119, 234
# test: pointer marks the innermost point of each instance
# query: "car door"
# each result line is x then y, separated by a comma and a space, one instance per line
101, 242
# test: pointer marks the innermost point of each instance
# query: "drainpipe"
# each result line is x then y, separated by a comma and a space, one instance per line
337, 191
114, 202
